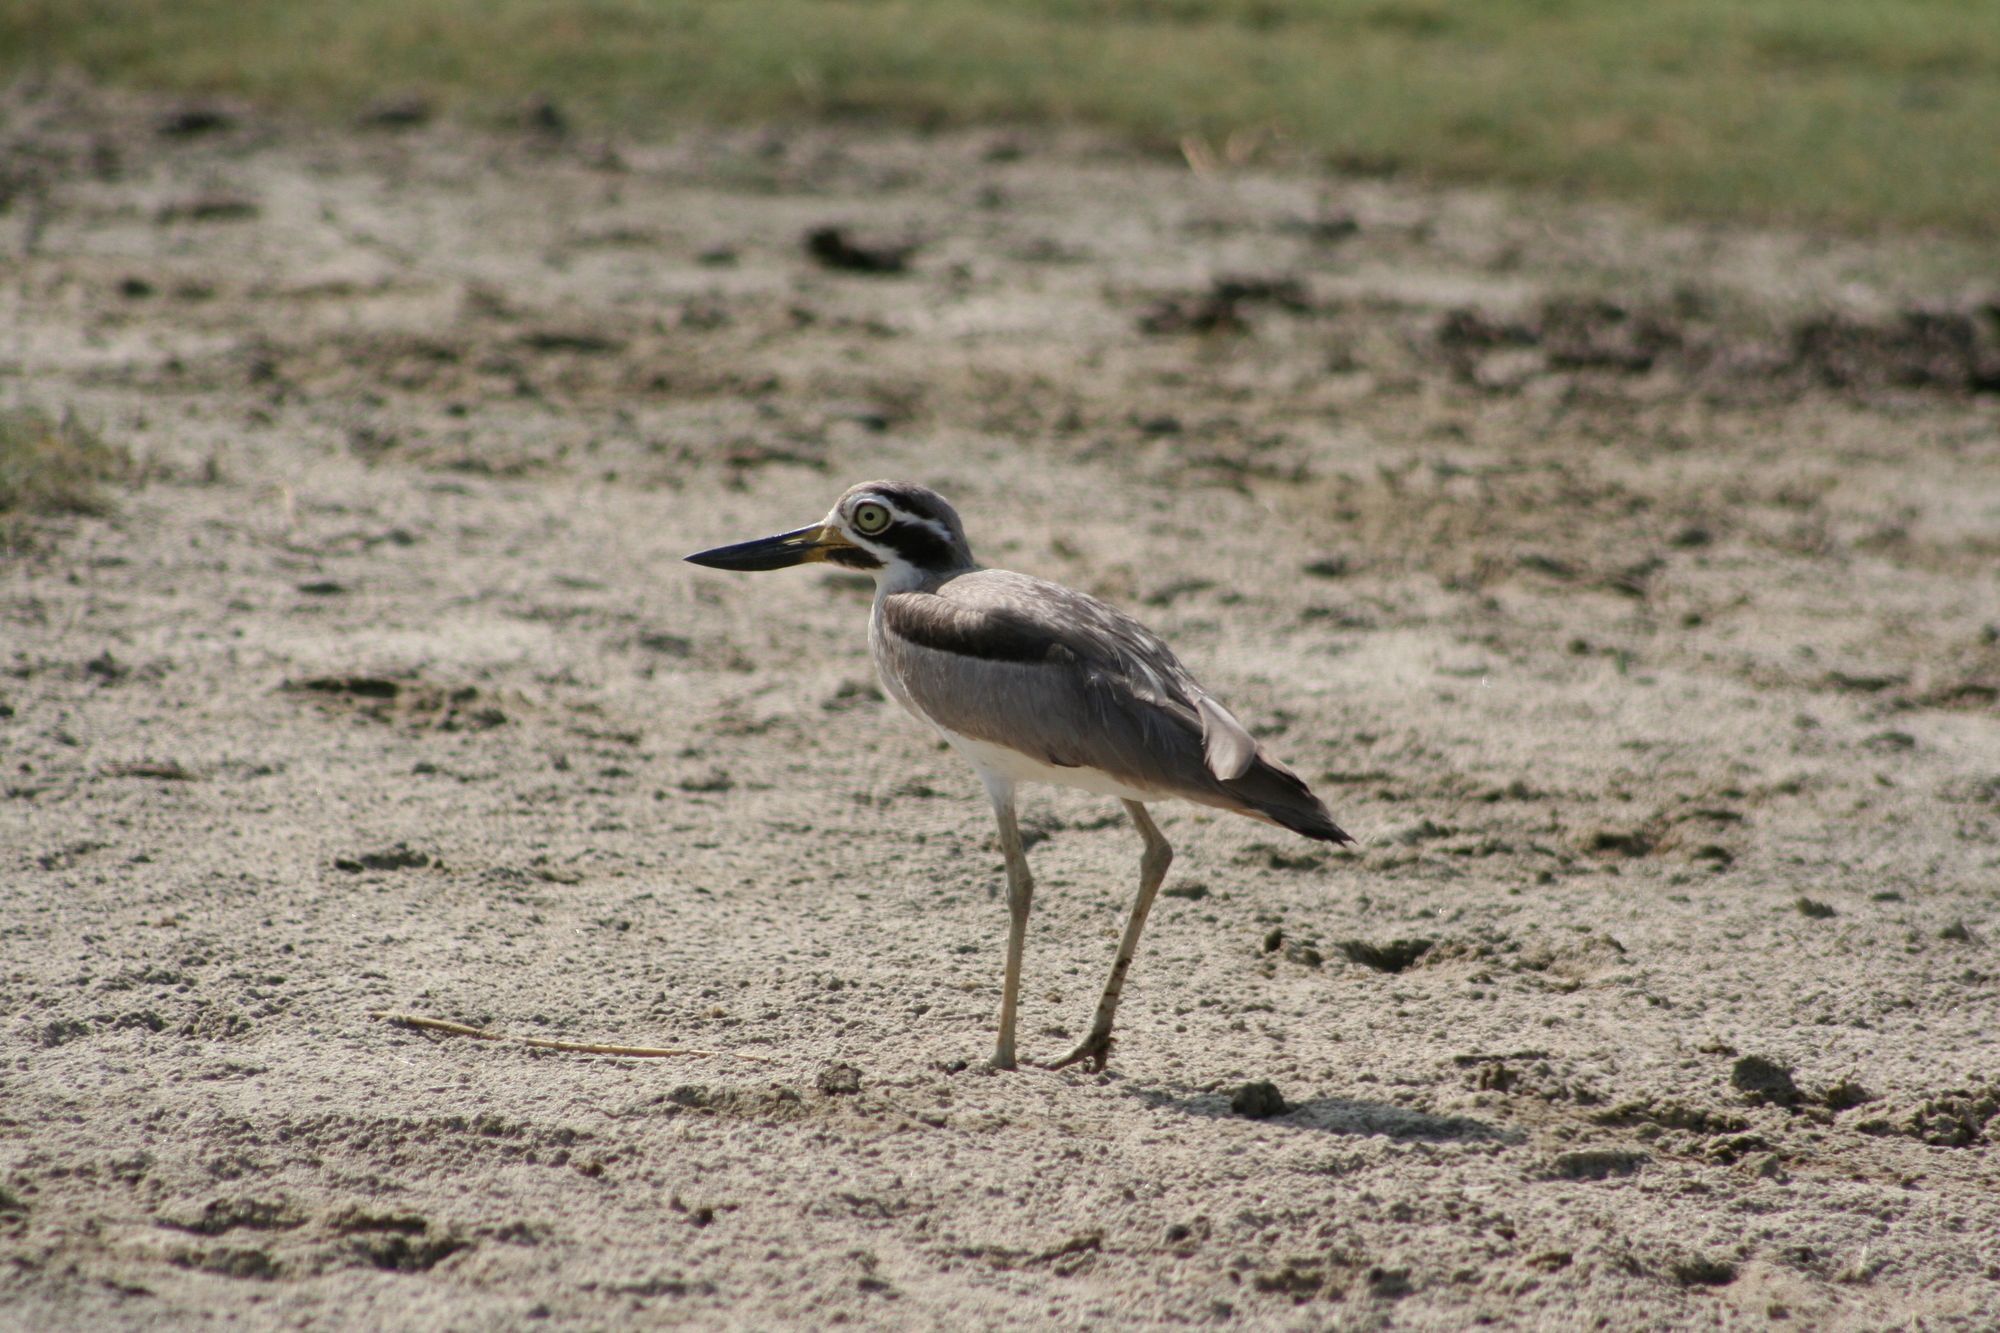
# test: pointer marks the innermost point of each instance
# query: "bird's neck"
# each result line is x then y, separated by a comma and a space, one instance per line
902, 576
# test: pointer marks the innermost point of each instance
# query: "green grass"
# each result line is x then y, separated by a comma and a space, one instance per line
53, 466
1859, 113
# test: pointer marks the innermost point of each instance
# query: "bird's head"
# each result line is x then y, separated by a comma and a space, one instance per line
902, 533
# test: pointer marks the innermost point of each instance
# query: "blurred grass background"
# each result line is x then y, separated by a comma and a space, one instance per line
1855, 113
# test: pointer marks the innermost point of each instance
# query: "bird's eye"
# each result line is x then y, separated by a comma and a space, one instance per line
870, 519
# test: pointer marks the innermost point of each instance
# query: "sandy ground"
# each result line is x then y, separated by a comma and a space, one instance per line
1630, 590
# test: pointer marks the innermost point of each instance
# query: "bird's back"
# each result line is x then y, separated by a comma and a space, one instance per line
1073, 683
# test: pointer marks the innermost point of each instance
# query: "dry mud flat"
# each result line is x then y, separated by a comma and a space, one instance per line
1629, 589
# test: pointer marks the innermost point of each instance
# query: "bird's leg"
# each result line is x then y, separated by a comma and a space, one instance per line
1153, 863
1020, 893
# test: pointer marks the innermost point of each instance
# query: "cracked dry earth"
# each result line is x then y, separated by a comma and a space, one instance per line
1630, 589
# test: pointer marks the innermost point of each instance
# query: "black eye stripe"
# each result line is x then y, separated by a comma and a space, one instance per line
853, 557
918, 543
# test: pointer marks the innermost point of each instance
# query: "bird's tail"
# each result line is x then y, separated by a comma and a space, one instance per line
1271, 791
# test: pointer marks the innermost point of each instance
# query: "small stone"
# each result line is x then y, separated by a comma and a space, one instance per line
839, 1079
399, 857
836, 248
1691, 536
1764, 1081
1391, 957
1259, 1100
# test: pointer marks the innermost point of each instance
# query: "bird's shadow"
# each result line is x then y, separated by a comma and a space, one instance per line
1333, 1115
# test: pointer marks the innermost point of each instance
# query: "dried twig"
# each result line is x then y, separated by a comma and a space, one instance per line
544, 1043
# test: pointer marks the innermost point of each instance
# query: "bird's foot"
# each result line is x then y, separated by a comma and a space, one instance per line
1096, 1048
1002, 1062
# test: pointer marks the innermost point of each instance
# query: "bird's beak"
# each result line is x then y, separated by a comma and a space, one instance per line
798, 547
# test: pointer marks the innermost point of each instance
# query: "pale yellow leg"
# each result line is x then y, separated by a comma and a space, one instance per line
1153, 863
1020, 894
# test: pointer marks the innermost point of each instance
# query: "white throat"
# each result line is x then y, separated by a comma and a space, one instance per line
896, 575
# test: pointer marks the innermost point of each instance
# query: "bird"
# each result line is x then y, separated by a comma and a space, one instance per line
1034, 682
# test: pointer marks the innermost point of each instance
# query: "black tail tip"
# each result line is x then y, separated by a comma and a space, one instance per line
1321, 831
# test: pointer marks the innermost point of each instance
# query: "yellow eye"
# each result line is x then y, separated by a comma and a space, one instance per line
870, 519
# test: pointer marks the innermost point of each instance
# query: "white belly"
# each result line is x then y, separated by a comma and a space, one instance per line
1014, 767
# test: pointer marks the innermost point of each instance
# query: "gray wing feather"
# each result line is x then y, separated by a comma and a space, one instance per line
1226, 745
1060, 681
1072, 681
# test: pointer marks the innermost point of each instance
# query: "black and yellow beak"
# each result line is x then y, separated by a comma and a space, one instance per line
799, 547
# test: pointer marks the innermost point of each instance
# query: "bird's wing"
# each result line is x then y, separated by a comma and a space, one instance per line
1061, 677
